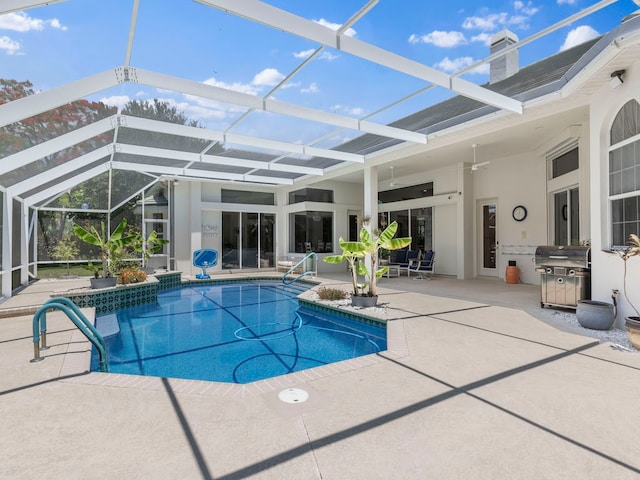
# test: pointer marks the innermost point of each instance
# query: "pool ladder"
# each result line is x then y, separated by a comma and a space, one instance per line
310, 257
75, 315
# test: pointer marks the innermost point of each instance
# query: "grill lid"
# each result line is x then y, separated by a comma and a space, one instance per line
563, 256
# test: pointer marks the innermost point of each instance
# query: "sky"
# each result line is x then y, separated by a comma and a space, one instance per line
74, 39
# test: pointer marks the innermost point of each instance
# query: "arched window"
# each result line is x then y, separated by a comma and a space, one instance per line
624, 173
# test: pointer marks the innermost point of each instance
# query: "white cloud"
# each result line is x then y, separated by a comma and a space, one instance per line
11, 47
268, 77
325, 55
440, 38
526, 8
292, 84
353, 111
313, 88
350, 32
568, 2
116, 100
55, 23
304, 53
489, 22
482, 38
452, 65
21, 22
328, 56
579, 35
238, 87
494, 21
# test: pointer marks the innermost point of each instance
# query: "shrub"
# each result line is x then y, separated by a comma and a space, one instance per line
131, 275
326, 293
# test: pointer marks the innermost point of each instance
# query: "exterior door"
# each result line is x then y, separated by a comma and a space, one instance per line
488, 238
248, 240
566, 217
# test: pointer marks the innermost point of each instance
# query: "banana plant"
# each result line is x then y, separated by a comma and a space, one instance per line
367, 248
351, 253
371, 247
111, 246
631, 250
149, 246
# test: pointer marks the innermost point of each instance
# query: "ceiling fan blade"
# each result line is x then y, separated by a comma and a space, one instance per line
477, 166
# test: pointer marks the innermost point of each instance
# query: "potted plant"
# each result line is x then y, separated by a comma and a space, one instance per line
147, 247
632, 323
366, 250
111, 248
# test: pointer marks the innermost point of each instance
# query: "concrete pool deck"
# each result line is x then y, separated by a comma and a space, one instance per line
484, 389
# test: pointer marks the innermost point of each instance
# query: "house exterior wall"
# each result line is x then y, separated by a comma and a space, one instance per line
515, 180
607, 268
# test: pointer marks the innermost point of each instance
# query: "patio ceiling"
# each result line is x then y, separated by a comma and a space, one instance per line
237, 151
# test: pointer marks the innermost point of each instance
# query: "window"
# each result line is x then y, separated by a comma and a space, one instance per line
406, 193
311, 195
246, 197
565, 163
312, 231
416, 223
354, 233
624, 173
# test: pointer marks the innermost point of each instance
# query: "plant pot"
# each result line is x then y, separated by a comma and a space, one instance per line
364, 301
633, 330
595, 315
103, 282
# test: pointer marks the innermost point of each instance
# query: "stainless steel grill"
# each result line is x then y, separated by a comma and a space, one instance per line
565, 275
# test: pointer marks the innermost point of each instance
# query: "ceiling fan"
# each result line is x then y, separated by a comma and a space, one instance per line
392, 182
477, 165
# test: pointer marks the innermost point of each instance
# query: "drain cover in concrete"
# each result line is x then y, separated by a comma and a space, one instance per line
293, 395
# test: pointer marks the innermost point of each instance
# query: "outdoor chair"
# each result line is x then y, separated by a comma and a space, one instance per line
424, 267
403, 258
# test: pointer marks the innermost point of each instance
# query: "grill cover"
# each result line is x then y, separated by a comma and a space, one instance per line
563, 256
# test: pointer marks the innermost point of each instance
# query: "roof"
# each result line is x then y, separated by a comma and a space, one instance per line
147, 149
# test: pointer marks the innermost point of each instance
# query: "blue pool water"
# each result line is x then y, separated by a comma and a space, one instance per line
231, 332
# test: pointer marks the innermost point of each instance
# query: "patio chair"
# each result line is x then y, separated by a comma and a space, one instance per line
403, 258
423, 267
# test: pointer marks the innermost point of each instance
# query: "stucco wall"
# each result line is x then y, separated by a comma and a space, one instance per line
511, 181
606, 268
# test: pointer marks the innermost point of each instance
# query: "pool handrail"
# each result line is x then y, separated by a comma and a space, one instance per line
314, 273
74, 314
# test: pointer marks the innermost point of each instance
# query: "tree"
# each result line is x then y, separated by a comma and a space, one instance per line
45, 126
66, 249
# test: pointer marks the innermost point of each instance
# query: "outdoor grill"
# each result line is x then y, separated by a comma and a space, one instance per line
565, 274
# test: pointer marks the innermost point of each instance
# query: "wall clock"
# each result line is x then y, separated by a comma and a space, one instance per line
519, 213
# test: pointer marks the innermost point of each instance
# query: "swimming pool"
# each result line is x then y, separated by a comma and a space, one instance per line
236, 332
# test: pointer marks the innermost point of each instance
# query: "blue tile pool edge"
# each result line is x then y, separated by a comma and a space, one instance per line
76, 365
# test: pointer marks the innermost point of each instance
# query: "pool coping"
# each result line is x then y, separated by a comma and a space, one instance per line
77, 361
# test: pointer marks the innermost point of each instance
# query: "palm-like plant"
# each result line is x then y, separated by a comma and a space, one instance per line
149, 246
111, 246
368, 247
631, 250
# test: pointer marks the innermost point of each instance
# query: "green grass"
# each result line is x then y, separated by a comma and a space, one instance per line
60, 271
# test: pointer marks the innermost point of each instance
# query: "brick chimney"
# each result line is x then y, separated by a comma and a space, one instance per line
506, 65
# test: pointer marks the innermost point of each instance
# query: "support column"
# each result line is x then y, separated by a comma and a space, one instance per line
24, 245
371, 202
195, 201
465, 232
7, 240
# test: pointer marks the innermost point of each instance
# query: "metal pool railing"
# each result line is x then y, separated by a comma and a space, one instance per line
75, 315
309, 267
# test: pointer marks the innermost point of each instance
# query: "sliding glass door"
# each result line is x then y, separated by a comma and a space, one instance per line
248, 240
